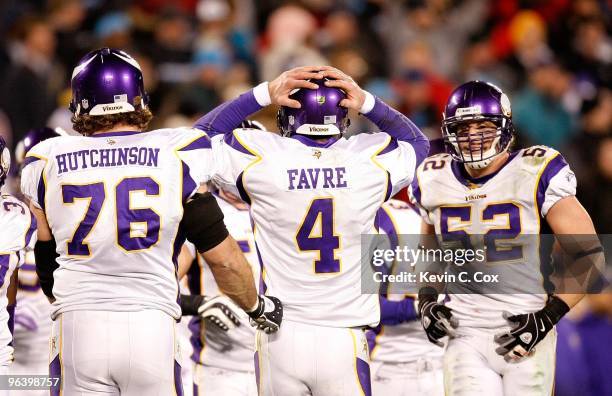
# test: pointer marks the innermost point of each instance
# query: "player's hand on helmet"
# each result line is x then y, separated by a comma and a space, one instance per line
268, 315
355, 96
219, 311
529, 329
282, 86
436, 318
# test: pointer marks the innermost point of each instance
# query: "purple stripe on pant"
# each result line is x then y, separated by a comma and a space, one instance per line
256, 357
363, 372
178, 381
55, 371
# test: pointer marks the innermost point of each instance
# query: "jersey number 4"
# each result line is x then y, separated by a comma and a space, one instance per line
126, 216
317, 234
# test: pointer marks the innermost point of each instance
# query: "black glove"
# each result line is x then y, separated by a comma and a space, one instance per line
529, 329
437, 319
268, 315
218, 310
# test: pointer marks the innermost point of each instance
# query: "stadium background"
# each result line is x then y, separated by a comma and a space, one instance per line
553, 58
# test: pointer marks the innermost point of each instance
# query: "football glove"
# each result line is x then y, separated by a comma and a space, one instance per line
529, 329
437, 319
268, 315
218, 310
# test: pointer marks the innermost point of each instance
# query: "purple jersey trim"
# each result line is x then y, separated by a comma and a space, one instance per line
392, 145
226, 117
29, 160
231, 140
202, 142
4, 267
189, 185
305, 140
41, 191
26, 322
31, 230
363, 372
552, 169
11, 320
371, 337
195, 339
117, 133
464, 178
241, 190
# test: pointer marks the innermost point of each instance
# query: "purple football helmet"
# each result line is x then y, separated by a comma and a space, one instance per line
5, 161
107, 81
475, 102
320, 114
31, 139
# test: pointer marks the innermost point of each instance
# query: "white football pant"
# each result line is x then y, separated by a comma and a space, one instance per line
302, 359
115, 353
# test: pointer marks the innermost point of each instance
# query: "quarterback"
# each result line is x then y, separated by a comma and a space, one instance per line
114, 207
482, 195
312, 193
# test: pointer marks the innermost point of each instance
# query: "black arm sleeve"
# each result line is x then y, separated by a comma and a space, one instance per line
45, 256
190, 303
203, 222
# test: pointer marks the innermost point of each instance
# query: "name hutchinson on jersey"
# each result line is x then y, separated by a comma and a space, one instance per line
103, 158
315, 178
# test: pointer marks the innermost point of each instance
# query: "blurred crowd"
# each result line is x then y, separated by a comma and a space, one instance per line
552, 57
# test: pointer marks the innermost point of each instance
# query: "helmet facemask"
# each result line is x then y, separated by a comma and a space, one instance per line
477, 145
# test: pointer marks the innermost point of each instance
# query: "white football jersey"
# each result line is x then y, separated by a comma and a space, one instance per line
234, 349
18, 227
310, 203
406, 342
509, 205
114, 202
32, 319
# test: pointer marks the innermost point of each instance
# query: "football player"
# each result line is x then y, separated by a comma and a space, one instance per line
18, 228
312, 193
222, 340
404, 362
33, 312
502, 341
114, 207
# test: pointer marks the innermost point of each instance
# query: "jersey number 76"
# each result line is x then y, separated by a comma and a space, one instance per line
125, 214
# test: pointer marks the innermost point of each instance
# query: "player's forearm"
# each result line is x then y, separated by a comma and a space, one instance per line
391, 121
228, 116
232, 273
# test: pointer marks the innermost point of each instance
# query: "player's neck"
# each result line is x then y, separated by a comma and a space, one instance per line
119, 128
493, 167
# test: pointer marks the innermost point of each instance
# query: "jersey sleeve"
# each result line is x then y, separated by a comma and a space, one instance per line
33, 182
194, 150
556, 181
18, 226
232, 155
399, 160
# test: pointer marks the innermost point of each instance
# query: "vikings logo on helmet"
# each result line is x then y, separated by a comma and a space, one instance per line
320, 113
5, 161
477, 101
107, 81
